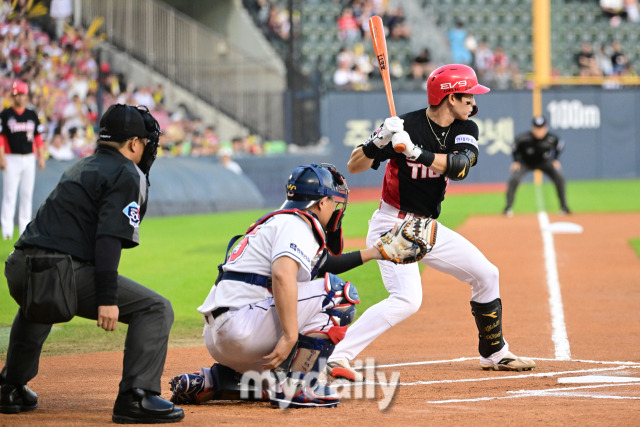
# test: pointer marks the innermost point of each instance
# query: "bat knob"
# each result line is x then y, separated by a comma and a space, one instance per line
399, 148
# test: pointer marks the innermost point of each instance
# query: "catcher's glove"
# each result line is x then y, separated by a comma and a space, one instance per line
410, 241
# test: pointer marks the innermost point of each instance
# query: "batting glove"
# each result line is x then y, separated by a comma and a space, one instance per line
390, 126
411, 152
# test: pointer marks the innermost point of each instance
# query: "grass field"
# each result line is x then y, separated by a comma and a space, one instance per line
178, 257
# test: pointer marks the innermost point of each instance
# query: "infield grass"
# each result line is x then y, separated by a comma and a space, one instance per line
178, 257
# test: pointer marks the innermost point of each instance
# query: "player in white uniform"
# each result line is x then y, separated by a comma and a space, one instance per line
266, 312
440, 144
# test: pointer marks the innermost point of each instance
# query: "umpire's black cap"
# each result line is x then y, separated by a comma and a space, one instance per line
121, 122
539, 121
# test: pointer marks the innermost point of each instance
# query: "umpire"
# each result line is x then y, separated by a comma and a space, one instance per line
74, 244
537, 149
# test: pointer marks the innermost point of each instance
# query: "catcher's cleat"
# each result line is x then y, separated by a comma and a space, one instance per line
189, 389
17, 398
340, 369
318, 396
510, 362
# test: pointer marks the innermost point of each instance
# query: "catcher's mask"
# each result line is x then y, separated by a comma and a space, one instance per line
310, 183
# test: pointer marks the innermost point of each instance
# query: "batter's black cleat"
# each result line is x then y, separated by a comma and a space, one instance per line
17, 398
138, 406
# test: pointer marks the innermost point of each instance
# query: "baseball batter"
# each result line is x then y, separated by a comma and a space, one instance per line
441, 144
20, 144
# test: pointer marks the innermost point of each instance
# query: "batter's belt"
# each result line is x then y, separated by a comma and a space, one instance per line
393, 211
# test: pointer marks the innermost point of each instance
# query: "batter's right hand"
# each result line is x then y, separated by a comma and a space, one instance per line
280, 353
392, 125
411, 152
3, 163
108, 317
515, 166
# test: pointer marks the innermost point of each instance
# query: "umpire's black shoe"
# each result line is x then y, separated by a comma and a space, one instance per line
17, 398
138, 406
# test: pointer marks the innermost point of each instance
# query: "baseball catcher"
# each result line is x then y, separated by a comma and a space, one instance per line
278, 308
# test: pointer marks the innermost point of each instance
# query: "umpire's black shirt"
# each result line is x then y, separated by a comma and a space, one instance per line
104, 194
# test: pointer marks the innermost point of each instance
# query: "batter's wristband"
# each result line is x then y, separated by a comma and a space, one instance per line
426, 158
370, 150
106, 287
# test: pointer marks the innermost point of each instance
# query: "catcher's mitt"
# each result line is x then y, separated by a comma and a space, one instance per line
410, 241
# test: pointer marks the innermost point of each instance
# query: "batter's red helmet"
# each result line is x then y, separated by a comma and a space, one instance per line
452, 78
19, 87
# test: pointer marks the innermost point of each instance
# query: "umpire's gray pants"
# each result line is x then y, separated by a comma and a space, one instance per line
148, 314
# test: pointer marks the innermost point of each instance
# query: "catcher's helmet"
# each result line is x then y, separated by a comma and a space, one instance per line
452, 78
310, 183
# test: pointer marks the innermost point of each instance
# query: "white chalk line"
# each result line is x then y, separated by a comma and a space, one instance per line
552, 392
558, 327
464, 359
555, 392
518, 376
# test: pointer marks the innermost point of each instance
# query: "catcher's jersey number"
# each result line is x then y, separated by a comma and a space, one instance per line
240, 247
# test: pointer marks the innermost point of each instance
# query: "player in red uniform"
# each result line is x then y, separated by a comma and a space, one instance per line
441, 144
20, 145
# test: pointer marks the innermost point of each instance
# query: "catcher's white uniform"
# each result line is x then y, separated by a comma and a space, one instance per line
250, 330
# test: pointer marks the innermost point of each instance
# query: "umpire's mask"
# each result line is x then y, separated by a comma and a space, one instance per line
151, 148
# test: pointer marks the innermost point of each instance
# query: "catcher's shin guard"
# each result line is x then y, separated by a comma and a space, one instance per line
489, 322
232, 385
298, 386
218, 383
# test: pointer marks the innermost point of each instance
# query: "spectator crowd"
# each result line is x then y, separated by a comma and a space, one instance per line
59, 64
355, 67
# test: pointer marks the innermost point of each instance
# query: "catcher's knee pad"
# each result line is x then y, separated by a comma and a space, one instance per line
489, 322
340, 302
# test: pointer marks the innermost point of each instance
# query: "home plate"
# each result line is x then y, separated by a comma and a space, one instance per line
565, 228
588, 379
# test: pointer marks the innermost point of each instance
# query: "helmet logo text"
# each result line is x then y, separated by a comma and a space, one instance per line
454, 85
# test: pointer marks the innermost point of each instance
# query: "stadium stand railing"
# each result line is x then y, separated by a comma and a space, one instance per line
194, 57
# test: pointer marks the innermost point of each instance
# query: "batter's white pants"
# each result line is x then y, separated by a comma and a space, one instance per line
18, 180
240, 338
452, 254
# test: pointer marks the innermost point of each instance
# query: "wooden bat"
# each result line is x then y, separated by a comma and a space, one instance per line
380, 47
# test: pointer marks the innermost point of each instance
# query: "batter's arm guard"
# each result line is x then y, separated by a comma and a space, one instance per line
459, 163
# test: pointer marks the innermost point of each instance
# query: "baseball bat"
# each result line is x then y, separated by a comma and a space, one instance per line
380, 47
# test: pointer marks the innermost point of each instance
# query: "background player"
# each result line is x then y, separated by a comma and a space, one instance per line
537, 149
93, 213
441, 144
20, 145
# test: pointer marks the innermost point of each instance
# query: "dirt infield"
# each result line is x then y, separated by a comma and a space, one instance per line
434, 350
